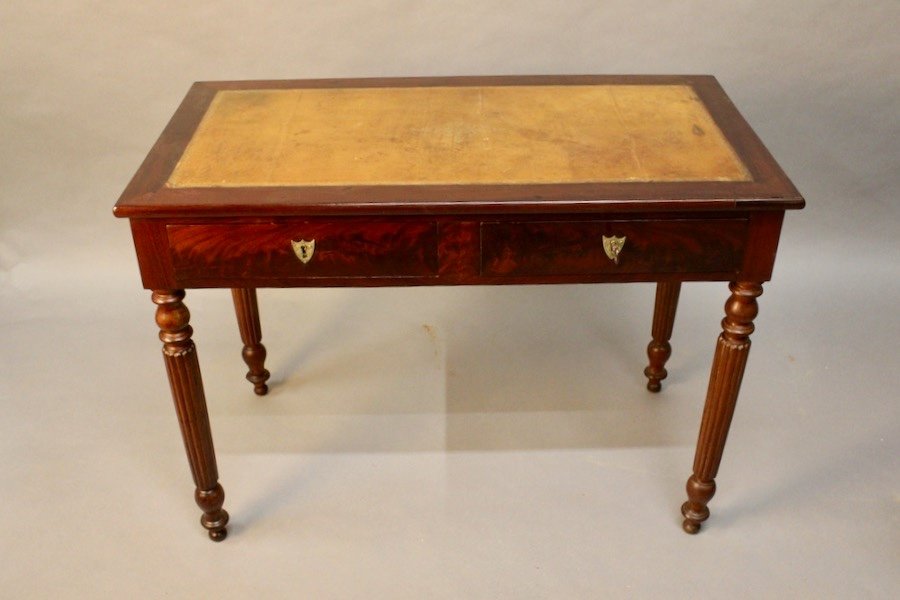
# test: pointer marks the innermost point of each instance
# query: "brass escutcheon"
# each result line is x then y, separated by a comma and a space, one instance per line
613, 246
304, 250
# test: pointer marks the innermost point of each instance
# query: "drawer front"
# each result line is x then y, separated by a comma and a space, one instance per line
567, 248
264, 252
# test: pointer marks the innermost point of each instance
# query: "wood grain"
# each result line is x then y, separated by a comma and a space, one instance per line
447, 251
183, 370
730, 359
424, 223
257, 252
254, 353
148, 196
575, 247
659, 350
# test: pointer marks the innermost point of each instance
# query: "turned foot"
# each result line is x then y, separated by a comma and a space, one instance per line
655, 377
659, 350
694, 510
732, 349
183, 368
214, 518
690, 526
218, 536
255, 356
254, 353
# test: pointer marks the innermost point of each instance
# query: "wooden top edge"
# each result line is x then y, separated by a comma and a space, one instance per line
336, 201
146, 196
454, 80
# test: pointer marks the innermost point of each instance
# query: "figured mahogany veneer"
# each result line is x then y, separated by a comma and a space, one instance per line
261, 253
559, 248
456, 181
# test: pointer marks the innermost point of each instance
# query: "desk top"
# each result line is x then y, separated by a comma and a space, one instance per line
456, 135
487, 144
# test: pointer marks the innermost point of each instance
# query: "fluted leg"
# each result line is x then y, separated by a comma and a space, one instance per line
180, 356
254, 352
659, 350
730, 359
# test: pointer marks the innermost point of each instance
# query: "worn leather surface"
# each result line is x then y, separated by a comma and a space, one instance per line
456, 135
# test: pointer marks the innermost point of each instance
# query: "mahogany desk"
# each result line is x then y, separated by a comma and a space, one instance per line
456, 181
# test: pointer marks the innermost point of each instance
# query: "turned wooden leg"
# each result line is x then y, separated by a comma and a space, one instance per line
732, 349
180, 356
254, 352
659, 350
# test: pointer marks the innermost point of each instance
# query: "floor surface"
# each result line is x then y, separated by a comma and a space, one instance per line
466, 443
450, 443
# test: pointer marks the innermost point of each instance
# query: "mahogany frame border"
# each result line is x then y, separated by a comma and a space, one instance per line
146, 196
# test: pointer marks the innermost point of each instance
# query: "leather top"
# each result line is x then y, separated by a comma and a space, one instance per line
456, 135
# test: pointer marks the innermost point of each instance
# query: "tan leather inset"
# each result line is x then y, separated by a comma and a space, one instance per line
456, 135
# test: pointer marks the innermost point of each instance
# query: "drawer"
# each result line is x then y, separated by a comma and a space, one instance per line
340, 249
566, 248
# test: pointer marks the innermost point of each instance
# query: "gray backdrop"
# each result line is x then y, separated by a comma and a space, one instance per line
446, 443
